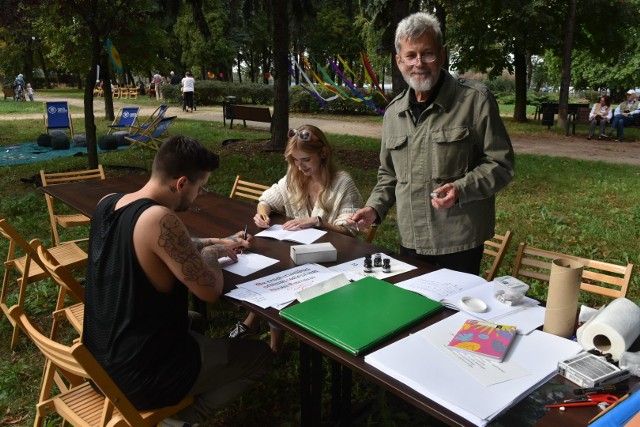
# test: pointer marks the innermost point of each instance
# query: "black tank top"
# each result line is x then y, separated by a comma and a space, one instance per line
139, 335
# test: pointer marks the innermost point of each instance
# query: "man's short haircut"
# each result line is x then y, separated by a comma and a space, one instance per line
414, 26
184, 156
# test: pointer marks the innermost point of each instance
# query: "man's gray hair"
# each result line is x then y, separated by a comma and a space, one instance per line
414, 26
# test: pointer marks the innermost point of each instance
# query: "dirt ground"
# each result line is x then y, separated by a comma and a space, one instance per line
575, 147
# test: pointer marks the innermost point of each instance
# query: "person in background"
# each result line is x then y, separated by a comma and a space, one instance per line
188, 87
30, 92
142, 266
445, 153
623, 116
158, 81
174, 79
600, 114
313, 193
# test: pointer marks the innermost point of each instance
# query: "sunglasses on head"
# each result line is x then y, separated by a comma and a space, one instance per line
304, 135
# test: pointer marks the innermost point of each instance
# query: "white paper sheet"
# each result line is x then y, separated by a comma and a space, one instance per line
248, 263
305, 236
422, 366
354, 270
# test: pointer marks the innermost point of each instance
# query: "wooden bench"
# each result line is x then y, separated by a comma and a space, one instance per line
246, 112
8, 92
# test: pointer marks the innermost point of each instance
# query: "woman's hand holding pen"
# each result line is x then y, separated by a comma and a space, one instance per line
262, 217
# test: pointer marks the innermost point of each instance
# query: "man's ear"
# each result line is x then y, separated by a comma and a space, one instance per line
180, 182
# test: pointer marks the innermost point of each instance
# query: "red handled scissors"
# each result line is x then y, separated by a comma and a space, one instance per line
588, 400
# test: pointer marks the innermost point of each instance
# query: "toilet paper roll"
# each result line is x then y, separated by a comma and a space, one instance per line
562, 299
613, 330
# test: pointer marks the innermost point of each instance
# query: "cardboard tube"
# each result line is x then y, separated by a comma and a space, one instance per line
562, 299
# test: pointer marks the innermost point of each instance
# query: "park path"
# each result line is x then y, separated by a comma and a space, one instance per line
543, 143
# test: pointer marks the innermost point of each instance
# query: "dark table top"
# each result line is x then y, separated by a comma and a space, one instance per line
213, 215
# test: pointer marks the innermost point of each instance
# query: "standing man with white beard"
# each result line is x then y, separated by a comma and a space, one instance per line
445, 153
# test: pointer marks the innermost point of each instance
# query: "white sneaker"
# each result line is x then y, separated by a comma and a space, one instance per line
171, 422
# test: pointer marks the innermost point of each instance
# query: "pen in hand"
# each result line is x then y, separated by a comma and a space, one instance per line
244, 237
354, 211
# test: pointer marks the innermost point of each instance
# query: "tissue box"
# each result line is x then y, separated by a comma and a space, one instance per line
315, 252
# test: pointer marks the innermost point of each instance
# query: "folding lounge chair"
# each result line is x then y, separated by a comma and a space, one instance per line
57, 116
157, 114
150, 137
125, 119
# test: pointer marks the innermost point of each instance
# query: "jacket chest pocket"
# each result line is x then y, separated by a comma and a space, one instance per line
399, 152
452, 151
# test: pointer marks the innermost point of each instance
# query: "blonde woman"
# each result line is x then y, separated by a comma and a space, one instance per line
313, 193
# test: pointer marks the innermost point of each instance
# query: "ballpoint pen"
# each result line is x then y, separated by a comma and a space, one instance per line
262, 214
244, 236
354, 211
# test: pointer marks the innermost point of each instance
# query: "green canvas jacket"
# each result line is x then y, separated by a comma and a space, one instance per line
460, 138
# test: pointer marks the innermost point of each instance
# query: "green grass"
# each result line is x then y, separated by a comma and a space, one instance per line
585, 208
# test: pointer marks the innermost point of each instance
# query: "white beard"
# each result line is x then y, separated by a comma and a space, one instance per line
421, 85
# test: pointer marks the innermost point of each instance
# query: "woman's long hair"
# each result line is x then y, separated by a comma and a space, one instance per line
309, 139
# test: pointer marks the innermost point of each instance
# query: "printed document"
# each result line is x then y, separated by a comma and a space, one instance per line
281, 288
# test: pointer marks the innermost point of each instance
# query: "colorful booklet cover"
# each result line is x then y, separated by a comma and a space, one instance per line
486, 338
362, 314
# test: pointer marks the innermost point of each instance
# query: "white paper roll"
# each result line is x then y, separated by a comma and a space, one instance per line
613, 330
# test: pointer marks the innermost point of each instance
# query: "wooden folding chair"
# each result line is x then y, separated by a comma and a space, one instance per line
19, 261
370, 233
68, 286
495, 248
78, 403
150, 137
598, 277
247, 190
67, 220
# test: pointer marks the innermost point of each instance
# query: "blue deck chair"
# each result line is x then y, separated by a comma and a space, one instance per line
157, 114
57, 116
150, 137
125, 119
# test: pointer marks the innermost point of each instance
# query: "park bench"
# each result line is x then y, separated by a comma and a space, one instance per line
246, 112
576, 113
8, 92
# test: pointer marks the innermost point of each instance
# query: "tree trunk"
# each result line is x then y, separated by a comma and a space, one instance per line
565, 79
520, 109
280, 121
108, 94
399, 11
89, 119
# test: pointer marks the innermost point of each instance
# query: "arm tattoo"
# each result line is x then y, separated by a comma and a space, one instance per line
200, 244
178, 246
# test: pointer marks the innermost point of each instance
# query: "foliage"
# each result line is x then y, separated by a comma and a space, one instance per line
592, 211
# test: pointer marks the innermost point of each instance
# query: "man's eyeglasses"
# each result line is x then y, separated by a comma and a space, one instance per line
304, 135
412, 60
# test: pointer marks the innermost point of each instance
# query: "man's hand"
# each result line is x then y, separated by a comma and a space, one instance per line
446, 196
363, 218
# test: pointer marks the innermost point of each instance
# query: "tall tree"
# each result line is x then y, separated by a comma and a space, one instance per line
565, 81
280, 125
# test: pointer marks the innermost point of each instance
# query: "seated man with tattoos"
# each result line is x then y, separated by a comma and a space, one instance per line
142, 265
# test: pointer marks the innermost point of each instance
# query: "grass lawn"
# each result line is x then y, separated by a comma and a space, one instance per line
585, 208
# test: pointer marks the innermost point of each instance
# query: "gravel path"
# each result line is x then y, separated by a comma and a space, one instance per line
576, 147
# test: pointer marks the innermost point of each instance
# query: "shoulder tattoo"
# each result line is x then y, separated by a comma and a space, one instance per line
179, 247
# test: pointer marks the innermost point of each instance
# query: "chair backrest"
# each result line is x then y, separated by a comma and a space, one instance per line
162, 127
57, 115
598, 277
52, 178
77, 360
495, 248
16, 240
370, 233
128, 116
247, 190
157, 114
59, 273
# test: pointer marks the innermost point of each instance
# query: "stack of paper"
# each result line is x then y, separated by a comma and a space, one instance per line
449, 286
423, 362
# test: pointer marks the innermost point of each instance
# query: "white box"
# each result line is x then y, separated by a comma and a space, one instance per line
314, 252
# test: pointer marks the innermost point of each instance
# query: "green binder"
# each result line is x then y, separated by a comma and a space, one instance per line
360, 315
